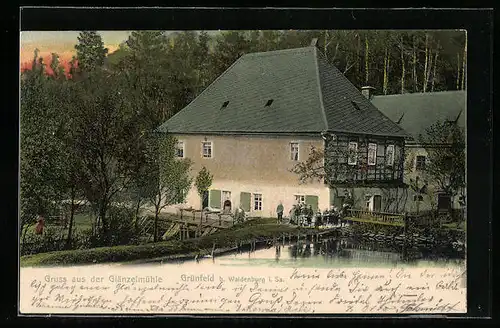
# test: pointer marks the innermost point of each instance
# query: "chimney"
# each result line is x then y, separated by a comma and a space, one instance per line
367, 91
314, 42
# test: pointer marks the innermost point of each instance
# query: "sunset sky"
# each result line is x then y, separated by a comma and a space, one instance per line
62, 43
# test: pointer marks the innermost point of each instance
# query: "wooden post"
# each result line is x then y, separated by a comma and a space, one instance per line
405, 223
213, 251
200, 227
405, 236
220, 219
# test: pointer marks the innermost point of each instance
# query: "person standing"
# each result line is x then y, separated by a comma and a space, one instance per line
309, 215
292, 214
279, 212
40, 225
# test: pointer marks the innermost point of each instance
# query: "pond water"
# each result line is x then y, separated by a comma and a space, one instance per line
328, 253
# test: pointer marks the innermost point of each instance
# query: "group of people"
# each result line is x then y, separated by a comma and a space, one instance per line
303, 215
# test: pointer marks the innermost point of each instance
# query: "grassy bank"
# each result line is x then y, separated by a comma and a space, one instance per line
257, 229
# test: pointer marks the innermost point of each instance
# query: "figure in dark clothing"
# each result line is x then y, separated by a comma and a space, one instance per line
279, 212
40, 225
309, 214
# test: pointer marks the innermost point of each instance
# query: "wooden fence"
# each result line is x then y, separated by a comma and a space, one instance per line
376, 217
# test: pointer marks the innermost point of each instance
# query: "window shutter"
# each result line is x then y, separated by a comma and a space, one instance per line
313, 201
215, 198
245, 199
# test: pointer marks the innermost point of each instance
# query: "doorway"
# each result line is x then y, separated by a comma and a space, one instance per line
377, 203
227, 206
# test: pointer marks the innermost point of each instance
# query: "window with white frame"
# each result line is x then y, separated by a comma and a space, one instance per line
389, 155
372, 153
420, 162
206, 148
294, 151
226, 195
179, 150
352, 158
257, 202
300, 199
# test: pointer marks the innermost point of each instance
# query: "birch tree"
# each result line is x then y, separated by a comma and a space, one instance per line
401, 44
414, 62
425, 81
464, 63
367, 54
435, 68
387, 59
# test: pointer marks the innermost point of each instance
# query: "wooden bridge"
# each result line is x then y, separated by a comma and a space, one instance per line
365, 216
199, 223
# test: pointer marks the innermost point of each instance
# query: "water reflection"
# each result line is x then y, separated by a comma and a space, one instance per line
328, 253
334, 252
342, 249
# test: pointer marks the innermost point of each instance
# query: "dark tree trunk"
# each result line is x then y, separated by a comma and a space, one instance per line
136, 223
104, 223
71, 218
155, 229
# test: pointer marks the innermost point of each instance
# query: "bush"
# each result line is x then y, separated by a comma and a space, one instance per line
121, 226
246, 231
53, 239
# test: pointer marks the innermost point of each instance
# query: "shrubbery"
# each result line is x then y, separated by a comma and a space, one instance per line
247, 231
54, 237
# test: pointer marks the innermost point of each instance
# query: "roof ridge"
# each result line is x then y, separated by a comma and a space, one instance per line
275, 52
369, 102
318, 80
422, 93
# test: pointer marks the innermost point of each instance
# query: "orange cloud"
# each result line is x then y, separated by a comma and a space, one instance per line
64, 51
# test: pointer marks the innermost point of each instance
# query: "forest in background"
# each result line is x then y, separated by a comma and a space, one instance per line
85, 133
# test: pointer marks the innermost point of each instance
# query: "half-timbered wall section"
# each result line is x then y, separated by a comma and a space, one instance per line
358, 160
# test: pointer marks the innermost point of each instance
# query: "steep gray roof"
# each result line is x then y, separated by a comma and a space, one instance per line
308, 96
415, 112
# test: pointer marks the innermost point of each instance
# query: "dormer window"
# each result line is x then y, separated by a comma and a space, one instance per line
355, 104
269, 102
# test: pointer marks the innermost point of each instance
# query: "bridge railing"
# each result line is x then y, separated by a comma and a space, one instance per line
384, 217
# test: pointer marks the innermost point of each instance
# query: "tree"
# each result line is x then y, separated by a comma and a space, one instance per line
40, 148
144, 65
107, 139
229, 46
167, 176
71, 174
55, 66
203, 183
332, 169
444, 142
90, 50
